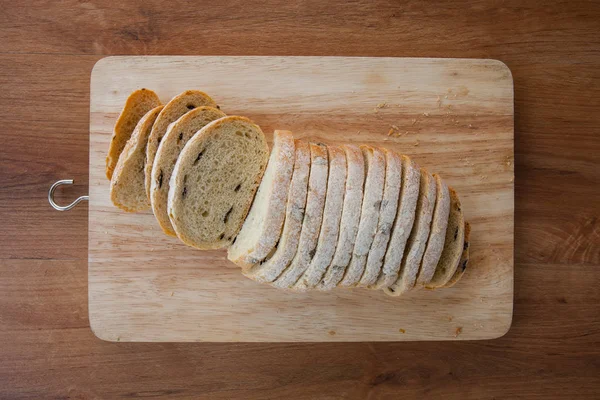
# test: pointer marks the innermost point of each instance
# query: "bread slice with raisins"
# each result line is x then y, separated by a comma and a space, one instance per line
178, 134
138, 104
173, 110
405, 217
353, 195
214, 182
417, 240
127, 189
437, 234
311, 224
330, 227
270, 268
387, 215
453, 245
262, 227
464, 259
369, 214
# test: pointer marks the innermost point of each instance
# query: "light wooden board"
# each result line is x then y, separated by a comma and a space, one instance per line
453, 116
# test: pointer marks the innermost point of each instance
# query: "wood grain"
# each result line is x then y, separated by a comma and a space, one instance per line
47, 52
454, 117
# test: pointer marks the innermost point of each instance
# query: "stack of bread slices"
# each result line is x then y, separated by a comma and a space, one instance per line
299, 216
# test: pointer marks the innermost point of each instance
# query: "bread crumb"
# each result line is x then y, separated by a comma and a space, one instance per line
458, 331
391, 132
382, 105
358, 132
402, 330
450, 318
172, 293
331, 333
416, 143
414, 121
426, 114
106, 232
471, 126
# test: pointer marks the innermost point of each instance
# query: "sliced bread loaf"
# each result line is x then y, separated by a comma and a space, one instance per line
369, 215
136, 106
127, 189
464, 259
262, 228
177, 135
174, 109
417, 240
387, 215
353, 195
270, 268
405, 217
439, 224
311, 225
453, 245
332, 213
214, 181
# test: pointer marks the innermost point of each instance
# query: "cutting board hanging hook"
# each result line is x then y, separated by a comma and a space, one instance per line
68, 207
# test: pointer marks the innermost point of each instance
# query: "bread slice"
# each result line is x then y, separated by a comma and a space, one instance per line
464, 259
127, 189
262, 228
330, 227
349, 222
174, 109
387, 215
439, 224
405, 217
369, 215
269, 269
136, 106
417, 240
214, 182
311, 225
453, 245
178, 134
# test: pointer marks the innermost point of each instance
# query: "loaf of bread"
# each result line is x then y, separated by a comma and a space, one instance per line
136, 106
177, 135
302, 216
214, 182
127, 189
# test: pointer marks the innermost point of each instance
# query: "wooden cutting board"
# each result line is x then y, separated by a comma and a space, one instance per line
453, 116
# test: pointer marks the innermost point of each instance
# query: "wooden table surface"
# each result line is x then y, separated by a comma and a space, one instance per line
47, 51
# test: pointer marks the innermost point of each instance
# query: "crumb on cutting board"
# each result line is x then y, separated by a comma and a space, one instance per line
458, 331
402, 330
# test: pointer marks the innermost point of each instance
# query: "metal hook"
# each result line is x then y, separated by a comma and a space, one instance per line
63, 208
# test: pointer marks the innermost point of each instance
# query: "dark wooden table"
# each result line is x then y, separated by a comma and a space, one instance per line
47, 50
